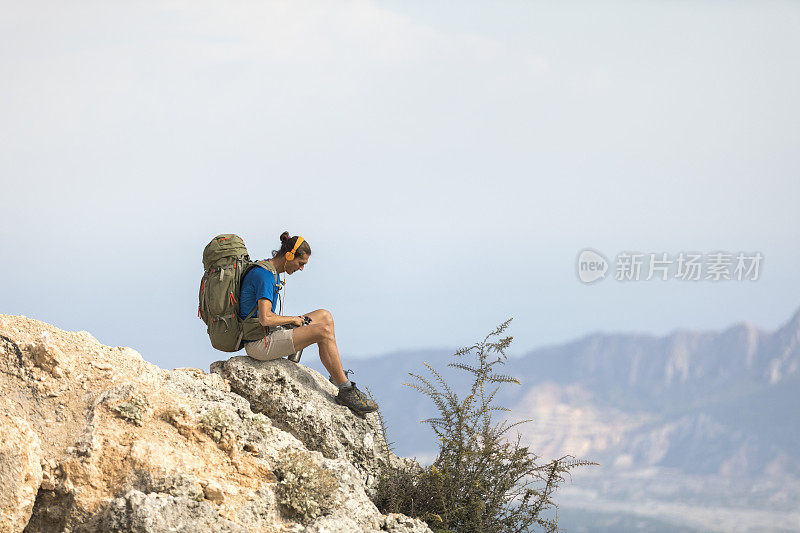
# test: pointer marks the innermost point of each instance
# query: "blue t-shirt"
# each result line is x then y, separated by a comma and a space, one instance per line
257, 283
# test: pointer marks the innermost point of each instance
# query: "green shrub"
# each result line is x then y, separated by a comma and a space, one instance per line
215, 422
133, 409
481, 481
305, 490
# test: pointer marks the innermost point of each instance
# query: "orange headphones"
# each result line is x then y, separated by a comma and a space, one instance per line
290, 255
282, 285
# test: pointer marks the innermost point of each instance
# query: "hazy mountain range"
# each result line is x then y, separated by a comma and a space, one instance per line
693, 430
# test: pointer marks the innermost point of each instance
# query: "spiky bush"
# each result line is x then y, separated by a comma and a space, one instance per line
482, 480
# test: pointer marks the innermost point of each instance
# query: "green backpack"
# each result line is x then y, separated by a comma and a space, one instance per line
226, 261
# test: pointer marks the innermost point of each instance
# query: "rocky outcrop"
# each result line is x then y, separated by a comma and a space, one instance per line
97, 439
301, 402
20, 472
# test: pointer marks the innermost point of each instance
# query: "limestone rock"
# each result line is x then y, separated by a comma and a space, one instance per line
213, 492
300, 401
20, 472
399, 522
47, 355
137, 512
118, 444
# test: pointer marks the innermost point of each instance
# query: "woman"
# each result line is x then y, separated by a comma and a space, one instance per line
259, 289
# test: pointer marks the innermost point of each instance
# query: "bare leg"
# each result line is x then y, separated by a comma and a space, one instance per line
321, 332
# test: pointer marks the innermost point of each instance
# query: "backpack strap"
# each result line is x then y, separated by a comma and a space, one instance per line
266, 265
241, 330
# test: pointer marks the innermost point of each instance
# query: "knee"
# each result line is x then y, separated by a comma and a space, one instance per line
325, 316
325, 332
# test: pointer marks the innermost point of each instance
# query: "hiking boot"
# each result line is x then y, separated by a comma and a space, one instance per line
356, 400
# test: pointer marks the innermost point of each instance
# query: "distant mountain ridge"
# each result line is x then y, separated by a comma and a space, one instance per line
657, 364
742, 379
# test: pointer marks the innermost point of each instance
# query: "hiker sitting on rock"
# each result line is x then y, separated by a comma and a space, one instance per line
259, 287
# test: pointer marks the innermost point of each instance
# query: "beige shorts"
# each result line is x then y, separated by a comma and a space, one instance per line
279, 343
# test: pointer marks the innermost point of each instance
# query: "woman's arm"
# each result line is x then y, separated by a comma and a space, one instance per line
269, 319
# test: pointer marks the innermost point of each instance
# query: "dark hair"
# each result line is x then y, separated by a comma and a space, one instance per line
287, 243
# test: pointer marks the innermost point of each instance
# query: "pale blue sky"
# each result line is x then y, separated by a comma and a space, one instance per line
446, 161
